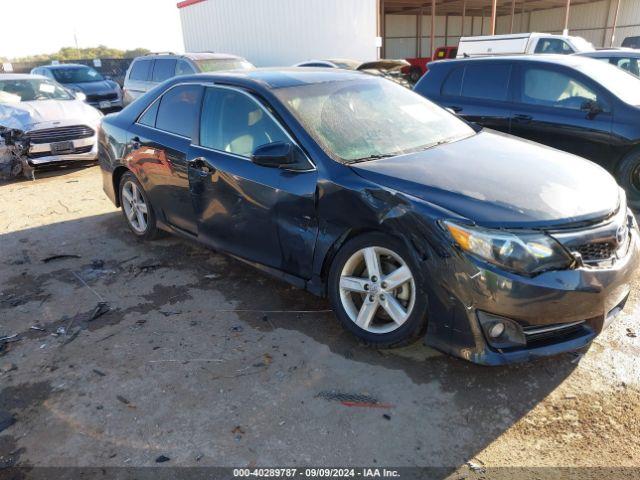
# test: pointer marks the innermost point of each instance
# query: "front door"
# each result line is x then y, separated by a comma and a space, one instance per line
559, 108
266, 215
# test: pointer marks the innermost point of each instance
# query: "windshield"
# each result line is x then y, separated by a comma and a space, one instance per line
370, 118
28, 90
213, 65
623, 85
76, 75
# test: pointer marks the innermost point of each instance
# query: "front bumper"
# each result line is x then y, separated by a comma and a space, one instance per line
592, 296
88, 147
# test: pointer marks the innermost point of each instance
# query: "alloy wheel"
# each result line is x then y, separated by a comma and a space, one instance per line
135, 207
377, 289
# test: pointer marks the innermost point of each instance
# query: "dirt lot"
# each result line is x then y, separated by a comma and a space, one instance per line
207, 362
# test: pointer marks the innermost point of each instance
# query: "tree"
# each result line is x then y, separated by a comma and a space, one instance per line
72, 53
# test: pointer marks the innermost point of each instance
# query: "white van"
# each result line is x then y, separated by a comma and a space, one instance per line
521, 43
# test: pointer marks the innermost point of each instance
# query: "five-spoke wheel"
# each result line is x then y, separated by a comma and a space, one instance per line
136, 207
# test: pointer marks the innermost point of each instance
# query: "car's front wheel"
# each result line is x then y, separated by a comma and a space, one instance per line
375, 292
629, 178
136, 208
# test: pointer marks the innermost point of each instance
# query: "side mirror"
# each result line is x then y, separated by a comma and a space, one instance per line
278, 155
592, 108
79, 96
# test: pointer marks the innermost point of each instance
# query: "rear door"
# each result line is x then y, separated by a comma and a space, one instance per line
137, 82
480, 92
262, 214
553, 107
160, 141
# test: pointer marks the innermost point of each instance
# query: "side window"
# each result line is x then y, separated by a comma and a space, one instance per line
235, 123
148, 118
178, 110
628, 64
488, 81
140, 70
453, 83
553, 45
183, 68
163, 69
554, 89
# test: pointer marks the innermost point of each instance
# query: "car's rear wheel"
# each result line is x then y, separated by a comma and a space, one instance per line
136, 208
375, 292
629, 178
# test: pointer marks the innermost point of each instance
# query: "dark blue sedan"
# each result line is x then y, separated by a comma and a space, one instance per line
411, 221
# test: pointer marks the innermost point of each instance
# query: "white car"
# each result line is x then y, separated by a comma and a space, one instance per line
58, 124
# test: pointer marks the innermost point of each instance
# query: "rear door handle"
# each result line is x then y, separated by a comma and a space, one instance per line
519, 118
200, 164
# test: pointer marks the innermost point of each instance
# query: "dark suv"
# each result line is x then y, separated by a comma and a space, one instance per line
580, 105
146, 72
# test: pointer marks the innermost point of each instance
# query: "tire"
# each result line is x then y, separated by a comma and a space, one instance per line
142, 222
351, 290
415, 74
629, 178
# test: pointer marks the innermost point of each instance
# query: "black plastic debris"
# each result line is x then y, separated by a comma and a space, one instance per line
101, 309
6, 420
62, 256
162, 459
123, 400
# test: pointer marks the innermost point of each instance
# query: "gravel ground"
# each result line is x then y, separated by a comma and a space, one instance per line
203, 360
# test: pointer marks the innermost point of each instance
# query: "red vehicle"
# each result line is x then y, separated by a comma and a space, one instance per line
418, 66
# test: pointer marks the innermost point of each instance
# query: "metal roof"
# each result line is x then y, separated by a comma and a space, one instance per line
475, 7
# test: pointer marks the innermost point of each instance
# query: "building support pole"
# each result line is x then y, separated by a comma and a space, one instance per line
566, 18
464, 12
522, 17
382, 27
421, 13
433, 27
615, 23
494, 9
513, 15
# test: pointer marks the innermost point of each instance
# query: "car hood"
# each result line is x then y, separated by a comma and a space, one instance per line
498, 180
94, 88
47, 114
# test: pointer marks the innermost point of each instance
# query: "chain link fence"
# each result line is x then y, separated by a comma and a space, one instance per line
115, 68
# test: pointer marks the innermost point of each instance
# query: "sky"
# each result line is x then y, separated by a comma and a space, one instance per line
30, 27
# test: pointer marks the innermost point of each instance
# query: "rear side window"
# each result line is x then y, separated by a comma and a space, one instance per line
183, 68
140, 70
178, 110
148, 118
488, 81
163, 69
553, 45
453, 83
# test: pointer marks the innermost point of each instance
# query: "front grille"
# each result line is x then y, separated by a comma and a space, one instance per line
61, 134
100, 97
595, 252
554, 333
85, 149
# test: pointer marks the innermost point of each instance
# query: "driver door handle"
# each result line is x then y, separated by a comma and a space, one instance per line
520, 118
200, 164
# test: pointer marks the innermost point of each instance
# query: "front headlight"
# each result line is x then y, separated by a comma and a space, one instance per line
527, 253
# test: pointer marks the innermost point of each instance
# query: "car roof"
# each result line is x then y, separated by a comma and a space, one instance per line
192, 56
612, 52
63, 65
274, 78
574, 61
19, 76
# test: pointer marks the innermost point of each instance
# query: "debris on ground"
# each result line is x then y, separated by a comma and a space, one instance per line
162, 459
101, 309
123, 400
386, 416
8, 367
6, 420
238, 430
352, 399
476, 465
99, 373
631, 333
62, 256
37, 328
212, 276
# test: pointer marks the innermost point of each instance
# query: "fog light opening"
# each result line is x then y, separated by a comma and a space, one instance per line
496, 330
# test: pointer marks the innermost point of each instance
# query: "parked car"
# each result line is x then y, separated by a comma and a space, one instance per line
58, 126
631, 42
521, 44
102, 93
391, 69
576, 104
146, 72
624, 58
418, 66
409, 219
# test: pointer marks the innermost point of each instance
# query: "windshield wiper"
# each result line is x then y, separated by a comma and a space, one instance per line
377, 156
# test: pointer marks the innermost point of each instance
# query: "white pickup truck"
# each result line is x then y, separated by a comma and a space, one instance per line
521, 44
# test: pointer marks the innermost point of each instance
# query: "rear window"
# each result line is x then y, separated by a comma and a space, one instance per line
163, 69
453, 84
486, 81
178, 109
140, 70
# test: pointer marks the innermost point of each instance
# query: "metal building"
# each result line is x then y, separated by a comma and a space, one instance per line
283, 32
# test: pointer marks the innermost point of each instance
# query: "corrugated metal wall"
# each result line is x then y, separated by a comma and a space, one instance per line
586, 21
282, 32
